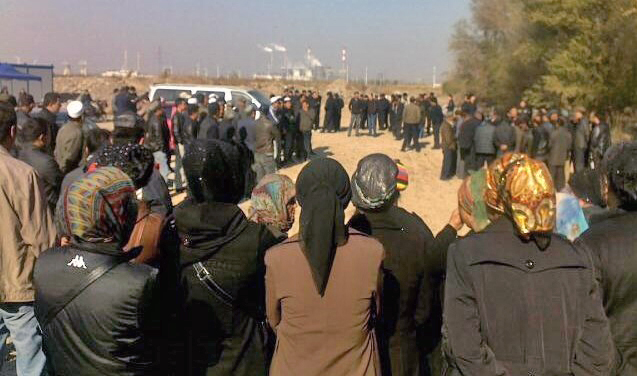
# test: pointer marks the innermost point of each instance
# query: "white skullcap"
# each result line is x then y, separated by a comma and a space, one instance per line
192, 100
274, 99
75, 109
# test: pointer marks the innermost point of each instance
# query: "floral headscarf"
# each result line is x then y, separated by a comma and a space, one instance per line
99, 207
471, 201
522, 189
270, 199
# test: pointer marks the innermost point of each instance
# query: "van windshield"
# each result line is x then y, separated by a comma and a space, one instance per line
259, 96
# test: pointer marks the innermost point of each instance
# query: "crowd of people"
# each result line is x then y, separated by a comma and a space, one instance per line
100, 274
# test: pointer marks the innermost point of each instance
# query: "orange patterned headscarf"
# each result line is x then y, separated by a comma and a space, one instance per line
522, 189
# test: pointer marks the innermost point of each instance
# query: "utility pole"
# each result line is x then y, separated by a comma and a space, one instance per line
217, 70
139, 62
434, 77
365, 76
125, 67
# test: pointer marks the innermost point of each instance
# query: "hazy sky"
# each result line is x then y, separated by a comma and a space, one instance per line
401, 39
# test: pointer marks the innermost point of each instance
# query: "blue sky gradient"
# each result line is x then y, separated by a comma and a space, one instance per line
401, 39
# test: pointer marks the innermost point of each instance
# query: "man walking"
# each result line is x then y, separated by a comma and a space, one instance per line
466, 136
484, 144
179, 122
396, 117
449, 147
339, 110
372, 111
383, 111
157, 138
27, 230
412, 120
306, 120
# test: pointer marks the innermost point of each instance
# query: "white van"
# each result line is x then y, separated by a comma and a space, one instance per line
170, 92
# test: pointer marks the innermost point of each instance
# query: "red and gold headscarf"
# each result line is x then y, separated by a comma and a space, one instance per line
522, 189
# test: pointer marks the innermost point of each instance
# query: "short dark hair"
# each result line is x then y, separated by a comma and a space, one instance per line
96, 138
32, 129
125, 135
8, 119
412, 99
50, 98
25, 100
192, 109
179, 101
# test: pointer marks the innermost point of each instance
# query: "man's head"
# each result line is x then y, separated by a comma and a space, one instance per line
26, 103
52, 102
34, 132
522, 103
513, 113
193, 111
597, 117
305, 105
315, 95
580, 112
412, 99
620, 166
287, 103
356, 94
181, 104
8, 122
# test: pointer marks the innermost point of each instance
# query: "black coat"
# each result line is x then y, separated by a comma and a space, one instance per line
612, 243
407, 289
512, 309
111, 328
52, 128
157, 137
223, 340
208, 129
48, 171
467, 133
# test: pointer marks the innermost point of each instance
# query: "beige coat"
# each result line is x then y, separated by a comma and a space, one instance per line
26, 228
326, 335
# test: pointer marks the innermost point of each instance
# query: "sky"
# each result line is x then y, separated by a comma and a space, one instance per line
400, 39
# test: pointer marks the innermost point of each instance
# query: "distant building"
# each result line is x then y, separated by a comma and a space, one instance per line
35, 88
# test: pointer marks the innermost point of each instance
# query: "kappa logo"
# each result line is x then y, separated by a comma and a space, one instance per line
77, 262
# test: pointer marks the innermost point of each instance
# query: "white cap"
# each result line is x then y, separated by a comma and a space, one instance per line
75, 109
274, 99
212, 98
192, 100
287, 99
184, 95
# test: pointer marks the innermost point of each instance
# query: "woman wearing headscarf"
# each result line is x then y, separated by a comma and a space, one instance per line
99, 313
322, 286
274, 204
471, 202
519, 299
410, 298
222, 264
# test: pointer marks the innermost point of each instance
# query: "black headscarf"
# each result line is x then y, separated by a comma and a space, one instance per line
374, 182
323, 192
587, 185
214, 171
135, 160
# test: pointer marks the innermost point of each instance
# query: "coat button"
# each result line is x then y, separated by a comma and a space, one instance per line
529, 264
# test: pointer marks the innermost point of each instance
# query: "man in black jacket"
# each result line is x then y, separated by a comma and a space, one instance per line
329, 122
356, 108
34, 140
436, 117
315, 106
612, 244
383, 111
157, 138
339, 106
50, 108
178, 121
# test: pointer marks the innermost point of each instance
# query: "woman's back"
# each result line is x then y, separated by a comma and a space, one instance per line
328, 335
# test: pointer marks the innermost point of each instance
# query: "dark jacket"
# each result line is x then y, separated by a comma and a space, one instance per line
157, 137
407, 288
448, 136
289, 121
484, 138
356, 106
305, 120
383, 106
189, 130
504, 135
223, 340
560, 144
396, 114
372, 106
208, 129
467, 132
52, 128
600, 142
612, 243
541, 142
436, 115
266, 134
513, 309
110, 328
178, 121
47, 169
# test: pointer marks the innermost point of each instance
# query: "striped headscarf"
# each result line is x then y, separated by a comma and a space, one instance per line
99, 207
270, 199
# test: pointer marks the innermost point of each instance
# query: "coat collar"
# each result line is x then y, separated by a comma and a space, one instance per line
499, 244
